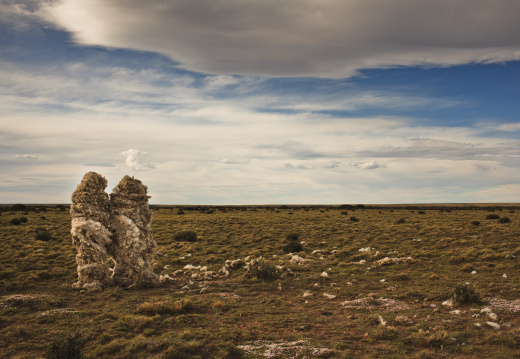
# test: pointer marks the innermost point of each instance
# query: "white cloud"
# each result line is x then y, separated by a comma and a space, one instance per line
135, 160
330, 38
234, 162
509, 127
27, 157
300, 166
370, 165
332, 164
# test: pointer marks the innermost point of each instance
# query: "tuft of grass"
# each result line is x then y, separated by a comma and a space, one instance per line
464, 294
66, 346
42, 234
15, 221
292, 237
166, 307
185, 236
263, 270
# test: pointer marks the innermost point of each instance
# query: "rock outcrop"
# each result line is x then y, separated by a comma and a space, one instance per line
118, 226
90, 212
133, 247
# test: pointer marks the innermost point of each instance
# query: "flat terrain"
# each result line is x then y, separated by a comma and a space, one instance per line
338, 297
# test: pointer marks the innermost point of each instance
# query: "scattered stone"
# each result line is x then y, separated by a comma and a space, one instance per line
324, 275
296, 349
329, 296
495, 326
509, 305
307, 294
389, 305
389, 261
403, 320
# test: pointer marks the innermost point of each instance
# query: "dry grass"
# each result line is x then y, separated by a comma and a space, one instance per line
202, 313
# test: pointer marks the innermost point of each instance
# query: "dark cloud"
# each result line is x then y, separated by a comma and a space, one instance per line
330, 38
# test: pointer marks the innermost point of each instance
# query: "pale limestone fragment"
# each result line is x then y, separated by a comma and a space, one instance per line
134, 248
90, 213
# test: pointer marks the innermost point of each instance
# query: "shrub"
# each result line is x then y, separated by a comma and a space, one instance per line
15, 221
354, 219
23, 219
41, 234
61, 207
504, 220
292, 237
492, 216
66, 347
464, 294
185, 236
166, 307
345, 213
475, 223
263, 270
292, 247
400, 220
421, 212
18, 207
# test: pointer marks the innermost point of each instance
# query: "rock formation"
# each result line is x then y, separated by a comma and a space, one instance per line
133, 246
118, 226
90, 212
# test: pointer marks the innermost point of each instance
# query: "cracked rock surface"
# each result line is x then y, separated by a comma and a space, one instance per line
90, 213
133, 246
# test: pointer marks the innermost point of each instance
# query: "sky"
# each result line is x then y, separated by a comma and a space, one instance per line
262, 101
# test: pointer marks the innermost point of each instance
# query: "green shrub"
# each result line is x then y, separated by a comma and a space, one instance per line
18, 207
475, 223
185, 236
294, 244
263, 270
66, 347
492, 216
41, 234
292, 237
354, 219
400, 220
293, 247
504, 220
23, 219
464, 294
15, 221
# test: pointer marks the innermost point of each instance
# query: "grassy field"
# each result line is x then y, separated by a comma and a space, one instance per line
335, 298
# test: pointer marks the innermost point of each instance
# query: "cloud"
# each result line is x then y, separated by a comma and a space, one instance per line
234, 162
331, 38
370, 165
332, 164
134, 159
509, 127
300, 166
27, 157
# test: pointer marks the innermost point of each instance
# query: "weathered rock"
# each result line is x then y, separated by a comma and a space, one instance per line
133, 247
90, 213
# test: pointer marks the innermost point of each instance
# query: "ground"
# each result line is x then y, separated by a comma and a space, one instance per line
338, 297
